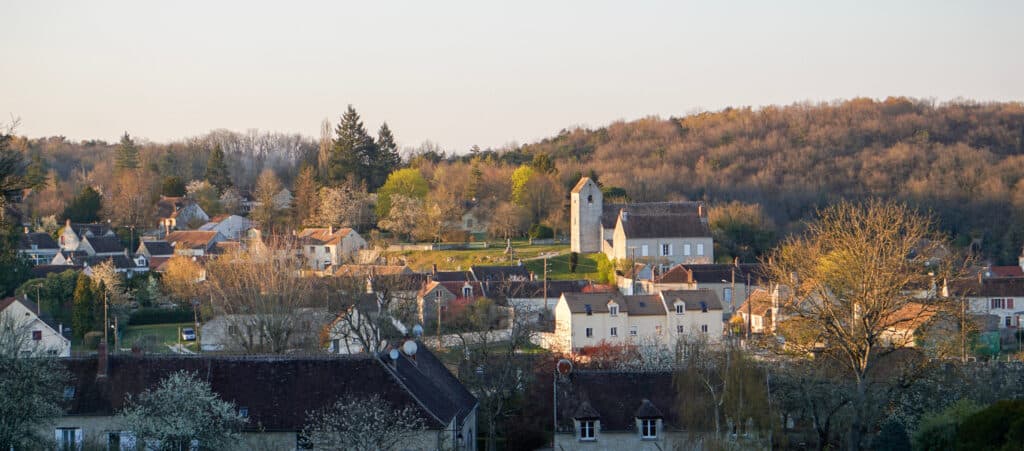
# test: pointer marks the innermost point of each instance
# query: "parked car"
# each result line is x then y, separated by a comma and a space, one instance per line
188, 334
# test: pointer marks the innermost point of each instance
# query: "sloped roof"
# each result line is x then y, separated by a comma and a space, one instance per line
694, 299
455, 288
451, 276
278, 391
191, 239
40, 239
617, 398
105, 244
367, 270
500, 273
664, 226
645, 305
757, 303
711, 273
579, 185
96, 229
991, 287
30, 306
120, 261
158, 248
534, 288
594, 302
610, 212
911, 316
323, 235
1007, 271
44, 270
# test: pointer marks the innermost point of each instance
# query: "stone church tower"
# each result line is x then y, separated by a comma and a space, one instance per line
586, 216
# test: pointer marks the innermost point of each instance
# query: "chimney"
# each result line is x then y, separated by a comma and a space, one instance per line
330, 229
433, 269
26, 230
101, 360
67, 223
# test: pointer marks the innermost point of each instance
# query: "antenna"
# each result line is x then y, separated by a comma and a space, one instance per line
417, 331
393, 354
410, 348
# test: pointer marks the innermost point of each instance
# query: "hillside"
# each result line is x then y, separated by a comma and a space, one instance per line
963, 161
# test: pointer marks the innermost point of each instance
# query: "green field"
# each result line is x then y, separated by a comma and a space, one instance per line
154, 337
558, 267
530, 255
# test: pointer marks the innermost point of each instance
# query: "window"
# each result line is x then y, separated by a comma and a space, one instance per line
437, 294
614, 332
68, 438
243, 412
37, 335
700, 249
657, 330
704, 328
613, 310
312, 249
1001, 303
686, 249
680, 309
632, 331
727, 295
1009, 321
590, 332
649, 428
703, 306
679, 329
467, 292
588, 430
588, 309
590, 198
69, 393
666, 249
643, 250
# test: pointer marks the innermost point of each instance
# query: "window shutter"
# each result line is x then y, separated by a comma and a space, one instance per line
670, 249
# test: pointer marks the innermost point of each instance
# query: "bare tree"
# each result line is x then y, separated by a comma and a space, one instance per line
372, 309
859, 273
369, 423
405, 215
31, 387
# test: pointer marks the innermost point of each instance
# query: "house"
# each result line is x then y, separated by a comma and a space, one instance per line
732, 282
530, 294
195, 243
903, 324
72, 234
999, 296
358, 320
101, 246
39, 248
588, 319
760, 312
662, 233
274, 393
443, 297
231, 227
237, 331
326, 247
129, 266
42, 334
178, 213
617, 410
155, 248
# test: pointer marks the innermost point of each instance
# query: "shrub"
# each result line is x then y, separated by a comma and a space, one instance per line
455, 236
541, 232
145, 316
92, 339
997, 426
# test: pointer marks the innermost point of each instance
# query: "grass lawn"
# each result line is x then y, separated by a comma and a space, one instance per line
558, 267
155, 337
451, 260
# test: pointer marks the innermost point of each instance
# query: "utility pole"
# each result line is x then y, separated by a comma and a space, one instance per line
438, 300
545, 282
106, 325
749, 314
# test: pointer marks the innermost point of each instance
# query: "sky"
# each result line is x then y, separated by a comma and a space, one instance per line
487, 73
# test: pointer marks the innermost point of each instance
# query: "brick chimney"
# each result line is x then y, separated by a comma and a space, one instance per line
101, 361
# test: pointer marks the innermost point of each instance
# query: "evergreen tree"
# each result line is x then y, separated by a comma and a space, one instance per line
306, 198
217, 170
476, 178
85, 207
387, 158
351, 149
127, 154
172, 186
14, 269
82, 318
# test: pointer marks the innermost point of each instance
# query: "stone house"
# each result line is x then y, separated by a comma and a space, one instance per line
327, 247
760, 312
45, 335
589, 319
231, 227
730, 282
441, 297
274, 394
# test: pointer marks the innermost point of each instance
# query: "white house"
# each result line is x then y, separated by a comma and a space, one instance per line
589, 319
1002, 297
176, 213
37, 247
42, 334
71, 234
326, 247
232, 227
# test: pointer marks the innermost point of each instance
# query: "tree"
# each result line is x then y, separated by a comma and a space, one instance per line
508, 221
54, 293
231, 201
85, 207
363, 423
387, 158
172, 186
179, 413
520, 177
31, 387
937, 431
855, 275
352, 151
306, 198
407, 182
543, 164
367, 319
344, 206
127, 156
266, 212
205, 194
16, 268
998, 426
217, 170
83, 311
12, 172
323, 155
105, 274
181, 278
404, 216
130, 201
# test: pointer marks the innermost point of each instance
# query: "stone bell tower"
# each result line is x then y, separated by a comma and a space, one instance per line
586, 217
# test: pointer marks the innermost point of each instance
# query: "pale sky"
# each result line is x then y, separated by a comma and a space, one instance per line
477, 72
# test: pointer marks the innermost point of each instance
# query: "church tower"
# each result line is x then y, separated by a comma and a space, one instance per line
586, 217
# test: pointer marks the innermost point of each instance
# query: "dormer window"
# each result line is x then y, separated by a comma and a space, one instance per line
613, 310
588, 430
680, 308
649, 428
704, 307
588, 309
467, 292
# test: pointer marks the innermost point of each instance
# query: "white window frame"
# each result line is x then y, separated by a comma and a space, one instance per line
633, 331
588, 430
647, 426
61, 436
704, 328
643, 250
613, 310
686, 249
700, 248
680, 309
666, 250
614, 332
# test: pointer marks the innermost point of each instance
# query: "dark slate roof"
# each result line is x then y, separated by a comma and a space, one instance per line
500, 273
278, 391
96, 229
534, 288
993, 287
120, 261
644, 305
693, 298
105, 244
712, 273
451, 276
617, 398
595, 302
610, 212
40, 239
158, 248
664, 226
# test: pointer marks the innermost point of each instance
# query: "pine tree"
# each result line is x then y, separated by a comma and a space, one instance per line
352, 146
82, 319
386, 160
127, 154
217, 170
476, 178
15, 269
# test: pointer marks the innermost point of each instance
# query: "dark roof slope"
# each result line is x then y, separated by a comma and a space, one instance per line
500, 273
534, 288
39, 239
694, 299
97, 229
617, 398
645, 305
594, 302
433, 385
610, 212
664, 226
712, 273
158, 248
451, 276
105, 244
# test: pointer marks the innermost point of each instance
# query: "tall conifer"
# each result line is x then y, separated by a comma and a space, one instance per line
217, 170
127, 154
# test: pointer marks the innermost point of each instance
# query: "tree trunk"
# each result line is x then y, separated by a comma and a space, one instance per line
857, 425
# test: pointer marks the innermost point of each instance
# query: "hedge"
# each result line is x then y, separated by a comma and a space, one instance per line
145, 316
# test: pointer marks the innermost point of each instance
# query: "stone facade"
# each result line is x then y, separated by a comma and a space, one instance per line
585, 212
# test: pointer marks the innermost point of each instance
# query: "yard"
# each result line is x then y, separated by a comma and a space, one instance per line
530, 255
155, 338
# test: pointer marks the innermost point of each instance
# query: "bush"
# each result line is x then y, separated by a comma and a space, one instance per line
92, 339
145, 316
541, 232
455, 236
998, 426
937, 430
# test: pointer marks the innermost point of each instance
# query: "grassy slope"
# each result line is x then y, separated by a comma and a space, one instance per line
558, 265
165, 334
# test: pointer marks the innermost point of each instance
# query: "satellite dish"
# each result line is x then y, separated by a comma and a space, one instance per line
393, 354
409, 347
417, 331
564, 367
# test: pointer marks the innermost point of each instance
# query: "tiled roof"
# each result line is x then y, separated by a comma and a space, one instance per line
610, 212
594, 302
323, 236
694, 299
757, 303
158, 248
500, 273
1007, 271
711, 273
96, 229
105, 244
120, 261
43, 270
40, 239
664, 226
616, 398
534, 288
644, 305
451, 276
992, 287
191, 239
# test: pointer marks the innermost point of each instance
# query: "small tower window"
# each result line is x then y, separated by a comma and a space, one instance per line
590, 198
